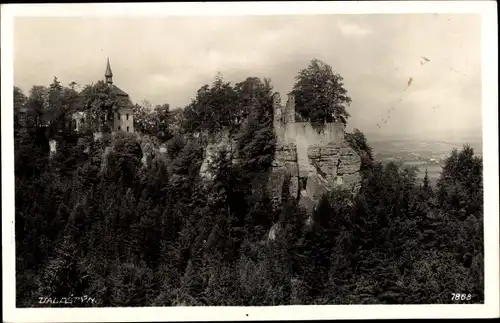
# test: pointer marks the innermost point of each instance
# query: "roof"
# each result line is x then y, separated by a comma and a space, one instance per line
117, 91
122, 98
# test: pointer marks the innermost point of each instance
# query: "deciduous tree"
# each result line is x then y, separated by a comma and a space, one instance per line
320, 95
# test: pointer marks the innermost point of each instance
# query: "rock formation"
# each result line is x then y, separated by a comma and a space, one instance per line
215, 143
307, 162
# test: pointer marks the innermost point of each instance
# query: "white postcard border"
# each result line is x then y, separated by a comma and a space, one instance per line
490, 154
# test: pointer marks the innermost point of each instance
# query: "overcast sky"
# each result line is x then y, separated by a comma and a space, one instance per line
165, 60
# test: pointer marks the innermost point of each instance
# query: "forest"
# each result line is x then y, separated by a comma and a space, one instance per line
119, 222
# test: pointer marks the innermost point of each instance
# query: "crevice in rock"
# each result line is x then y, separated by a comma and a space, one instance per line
285, 188
337, 167
302, 183
297, 196
318, 169
356, 171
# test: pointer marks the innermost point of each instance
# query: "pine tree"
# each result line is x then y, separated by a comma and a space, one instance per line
426, 180
64, 275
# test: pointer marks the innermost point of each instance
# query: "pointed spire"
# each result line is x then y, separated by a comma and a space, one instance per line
108, 75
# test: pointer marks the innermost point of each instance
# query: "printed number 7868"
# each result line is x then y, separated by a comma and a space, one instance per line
460, 297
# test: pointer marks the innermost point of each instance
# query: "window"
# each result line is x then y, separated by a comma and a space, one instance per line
119, 128
127, 129
118, 116
127, 116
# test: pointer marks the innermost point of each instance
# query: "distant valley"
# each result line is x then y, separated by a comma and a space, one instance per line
424, 154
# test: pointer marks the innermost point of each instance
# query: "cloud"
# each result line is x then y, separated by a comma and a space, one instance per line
350, 29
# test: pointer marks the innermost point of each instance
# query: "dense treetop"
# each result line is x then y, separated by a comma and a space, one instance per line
320, 95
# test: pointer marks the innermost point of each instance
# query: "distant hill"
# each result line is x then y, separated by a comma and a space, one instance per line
467, 136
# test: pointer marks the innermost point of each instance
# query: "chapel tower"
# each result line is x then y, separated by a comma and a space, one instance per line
108, 75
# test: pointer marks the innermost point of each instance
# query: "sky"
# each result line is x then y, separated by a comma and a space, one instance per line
166, 59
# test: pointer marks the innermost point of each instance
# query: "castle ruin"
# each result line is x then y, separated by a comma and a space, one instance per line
309, 162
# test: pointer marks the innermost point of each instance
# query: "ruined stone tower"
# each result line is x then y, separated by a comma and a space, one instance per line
277, 116
284, 120
309, 161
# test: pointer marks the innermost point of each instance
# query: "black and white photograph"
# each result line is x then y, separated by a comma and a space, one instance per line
209, 157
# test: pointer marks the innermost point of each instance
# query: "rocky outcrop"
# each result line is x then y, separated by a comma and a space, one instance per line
326, 167
304, 178
215, 144
283, 177
334, 166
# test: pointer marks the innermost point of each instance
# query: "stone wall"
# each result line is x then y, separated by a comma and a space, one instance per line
289, 132
333, 133
124, 120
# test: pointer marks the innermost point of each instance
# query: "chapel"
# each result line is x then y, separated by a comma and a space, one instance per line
123, 119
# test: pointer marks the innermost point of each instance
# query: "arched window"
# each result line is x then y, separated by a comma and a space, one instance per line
127, 116
127, 129
119, 128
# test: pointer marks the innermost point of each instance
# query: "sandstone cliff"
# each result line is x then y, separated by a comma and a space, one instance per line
216, 143
305, 179
328, 166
